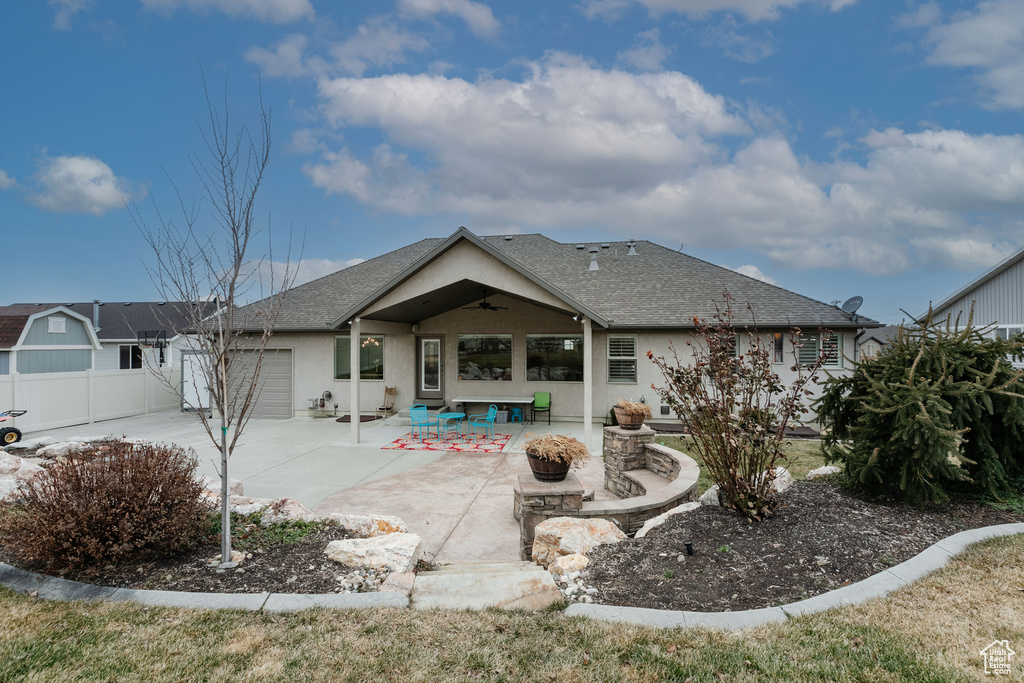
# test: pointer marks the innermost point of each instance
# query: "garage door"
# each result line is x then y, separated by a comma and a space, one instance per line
276, 399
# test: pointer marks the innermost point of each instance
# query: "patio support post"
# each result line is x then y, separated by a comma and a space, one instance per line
353, 382
588, 383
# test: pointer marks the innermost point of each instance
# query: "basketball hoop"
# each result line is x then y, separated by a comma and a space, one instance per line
152, 338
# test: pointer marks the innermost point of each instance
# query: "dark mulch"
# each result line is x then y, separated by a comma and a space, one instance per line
362, 418
822, 537
300, 567
679, 428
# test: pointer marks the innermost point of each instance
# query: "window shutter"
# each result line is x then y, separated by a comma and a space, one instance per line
622, 347
622, 358
807, 354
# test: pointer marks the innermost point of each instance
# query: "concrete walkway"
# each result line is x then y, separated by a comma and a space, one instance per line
459, 503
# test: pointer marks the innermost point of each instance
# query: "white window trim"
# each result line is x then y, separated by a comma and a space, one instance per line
608, 348
56, 324
142, 355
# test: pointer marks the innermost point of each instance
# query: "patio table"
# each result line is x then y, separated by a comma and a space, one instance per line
444, 427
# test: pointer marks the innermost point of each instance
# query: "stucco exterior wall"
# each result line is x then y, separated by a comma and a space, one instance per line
313, 355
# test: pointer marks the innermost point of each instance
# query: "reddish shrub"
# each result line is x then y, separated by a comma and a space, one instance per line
128, 501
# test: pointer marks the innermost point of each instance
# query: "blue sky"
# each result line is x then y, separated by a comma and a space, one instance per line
833, 147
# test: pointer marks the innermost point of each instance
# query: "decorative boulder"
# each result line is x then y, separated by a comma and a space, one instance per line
568, 535
369, 526
710, 497
13, 470
567, 564
783, 480
212, 484
398, 552
825, 471
285, 510
663, 517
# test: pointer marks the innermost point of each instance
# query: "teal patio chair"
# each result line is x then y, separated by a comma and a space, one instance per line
485, 420
422, 419
541, 404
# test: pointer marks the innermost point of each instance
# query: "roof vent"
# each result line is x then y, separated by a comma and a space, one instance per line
581, 247
593, 250
593, 260
606, 246
632, 248
508, 238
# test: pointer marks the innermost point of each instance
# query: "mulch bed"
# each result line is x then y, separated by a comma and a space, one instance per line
821, 538
300, 567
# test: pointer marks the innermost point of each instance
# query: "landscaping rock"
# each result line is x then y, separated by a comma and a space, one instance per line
783, 480
244, 505
660, 519
825, 471
368, 526
9, 464
398, 552
567, 535
13, 470
284, 510
710, 497
567, 564
212, 484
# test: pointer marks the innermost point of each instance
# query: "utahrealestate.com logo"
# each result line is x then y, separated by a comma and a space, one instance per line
998, 657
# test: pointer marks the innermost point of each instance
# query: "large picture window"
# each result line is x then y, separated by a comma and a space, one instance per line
371, 357
622, 358
554, 358
485, 357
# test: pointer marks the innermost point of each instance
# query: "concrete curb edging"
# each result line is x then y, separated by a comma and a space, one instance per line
879, 585
876, 586
53, 588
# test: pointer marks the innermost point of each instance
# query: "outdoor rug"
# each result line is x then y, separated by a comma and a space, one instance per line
431, 443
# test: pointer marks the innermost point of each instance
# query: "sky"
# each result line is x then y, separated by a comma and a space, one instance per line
831, 147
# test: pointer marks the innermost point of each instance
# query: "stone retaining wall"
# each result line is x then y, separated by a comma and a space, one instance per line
648, 478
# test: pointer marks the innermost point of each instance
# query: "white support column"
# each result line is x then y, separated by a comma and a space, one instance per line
588, 384
354, 378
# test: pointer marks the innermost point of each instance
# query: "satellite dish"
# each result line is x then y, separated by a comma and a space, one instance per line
852, 305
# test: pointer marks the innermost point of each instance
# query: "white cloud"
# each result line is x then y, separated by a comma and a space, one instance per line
379, 42
477, 16
648, 53
80, 184
259, 278
989, 40
753, 271
274, 11
571, 145
7, 182
285, 60
752, 10
66, 9
742, 48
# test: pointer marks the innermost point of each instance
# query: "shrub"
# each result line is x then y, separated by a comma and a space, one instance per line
735, 407
127, 501
939, 410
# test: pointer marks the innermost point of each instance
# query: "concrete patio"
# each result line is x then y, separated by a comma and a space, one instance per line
459, 503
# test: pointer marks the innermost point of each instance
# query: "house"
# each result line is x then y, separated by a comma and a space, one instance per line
997, 297
873, 340
505, 316
84, 362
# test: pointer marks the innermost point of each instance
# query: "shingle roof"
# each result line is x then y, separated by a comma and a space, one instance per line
657, 288
12, 323
122, 320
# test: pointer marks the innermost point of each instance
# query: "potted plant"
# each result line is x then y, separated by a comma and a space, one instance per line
552, 455
631, 414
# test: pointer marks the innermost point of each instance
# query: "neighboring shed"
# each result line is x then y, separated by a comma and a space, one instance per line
51, 339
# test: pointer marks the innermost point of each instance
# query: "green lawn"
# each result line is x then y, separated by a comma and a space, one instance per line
802, 456
930, 631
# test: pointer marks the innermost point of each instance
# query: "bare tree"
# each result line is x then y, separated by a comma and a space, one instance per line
205, 264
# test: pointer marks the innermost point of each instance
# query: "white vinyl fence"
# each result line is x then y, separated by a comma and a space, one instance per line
62, 399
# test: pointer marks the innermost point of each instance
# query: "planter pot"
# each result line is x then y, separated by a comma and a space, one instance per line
547, 470
627, 421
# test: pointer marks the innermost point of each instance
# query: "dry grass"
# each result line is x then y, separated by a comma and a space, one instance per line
932, 630
802, 456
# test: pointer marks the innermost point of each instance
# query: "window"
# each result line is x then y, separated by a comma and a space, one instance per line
485, 357
554, 358
56, 324
868, 350
779, 347
622, 358
371, 357
1007, 331
130, 357
814, 345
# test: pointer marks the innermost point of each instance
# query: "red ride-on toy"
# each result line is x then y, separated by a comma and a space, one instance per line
9, 435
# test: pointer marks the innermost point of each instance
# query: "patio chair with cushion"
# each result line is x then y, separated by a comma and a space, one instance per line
389, 403
541, 404
485, 420
422, 419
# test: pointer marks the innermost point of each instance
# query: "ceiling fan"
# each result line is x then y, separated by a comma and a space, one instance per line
485, 306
